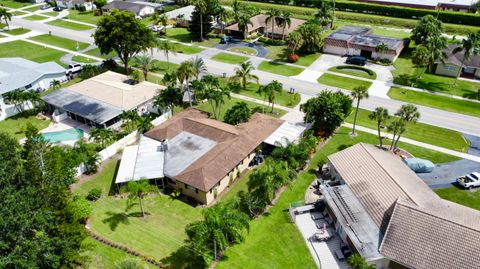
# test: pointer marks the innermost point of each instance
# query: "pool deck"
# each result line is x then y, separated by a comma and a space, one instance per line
65, 125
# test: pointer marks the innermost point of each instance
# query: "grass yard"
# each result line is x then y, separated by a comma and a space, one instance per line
17, 31
157, 235
30, 51
19, 13
16, 125
280, 54
183, 35
96, 52
244, 50
277, 113
60, 42
81, 59
14, 4
32, 9
35, 18
85, 16
163, 67
460, 196
342, 82
279, 68
238, 185
354, 71
420, 132
229, 58
70, 25
436, 101
50, 13
181, 48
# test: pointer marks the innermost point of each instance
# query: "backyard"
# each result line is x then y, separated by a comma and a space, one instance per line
30, 51
342, 82
16, 125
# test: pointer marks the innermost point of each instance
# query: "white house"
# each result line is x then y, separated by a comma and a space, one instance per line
19, 73
139, 8
76, 4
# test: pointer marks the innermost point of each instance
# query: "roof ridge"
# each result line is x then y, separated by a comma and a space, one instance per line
201, 121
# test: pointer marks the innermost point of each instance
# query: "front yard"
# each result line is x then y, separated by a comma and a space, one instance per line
460, 196
85, 16
30, 51
342, 82
279, 68
14, 4
70, 25
229, 58
60, 42
183, 35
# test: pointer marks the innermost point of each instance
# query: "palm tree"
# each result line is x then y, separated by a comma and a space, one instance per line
407, 113
55, 84
271, 17
138, 189
170, 79
102, 136
356, 261
168, 98
7, 16
201, 6
144, 124
129, 120
224, 15
470, 47
186, 71
243, 73
324, 14
380, 115
381, 49
294, 41
236, 7
435, 47
167, 47
358, 93
285, 18
243, 22
144, 62
198, 66
396, 127
274, 88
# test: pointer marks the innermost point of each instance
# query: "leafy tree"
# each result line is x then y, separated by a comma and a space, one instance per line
312, 37
129, 119
209, 88
244, 73
238, 113
121, 32
185, 72
144, 123
324, 14
88, 155
272, 15
137, 76
427, 28
420, 58
295, 155
100, 4
294, 41
161, 20
357, 261
138, 190
243, 23
81, 209
358, 94
167, 47
236, 9
200, 24
250, 204
7, 16
380, 115
224, 16
102, 136
144, 62
470, 47
170, 79
327, 111
168, 98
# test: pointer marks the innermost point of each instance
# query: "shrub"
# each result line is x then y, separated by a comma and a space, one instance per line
94, 194
238, 113
81, 209
293, 58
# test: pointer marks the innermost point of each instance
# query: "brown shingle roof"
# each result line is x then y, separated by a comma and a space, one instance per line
258, 21
457, 58
234, 143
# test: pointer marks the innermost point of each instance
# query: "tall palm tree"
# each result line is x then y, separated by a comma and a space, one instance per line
285, 19
407, 113
381, 49
324, 14
397, 128
185, 72
470, 47
274, 89
380, 115
7, 16
236, 7
198, 66
243, 22
167, 47
144, 62
201, 6
170, 79
294, 41
435, 47
358, 93
168, 98
244, 73
224, 15
144, 124
272, 17
138, 189
129, 119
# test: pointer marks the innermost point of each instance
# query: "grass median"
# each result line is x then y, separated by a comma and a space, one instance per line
61, 42
70, 25
279, 68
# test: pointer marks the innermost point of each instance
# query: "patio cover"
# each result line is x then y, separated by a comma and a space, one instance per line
127, 164
286, 131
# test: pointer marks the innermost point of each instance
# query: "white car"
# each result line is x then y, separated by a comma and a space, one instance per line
73, 69
469, 181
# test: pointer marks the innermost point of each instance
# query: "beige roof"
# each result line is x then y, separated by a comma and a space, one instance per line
378, 178
259, 21
110, 88
423, 238
234, 143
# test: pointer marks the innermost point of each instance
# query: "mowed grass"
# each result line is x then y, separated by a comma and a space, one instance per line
30, 51
32, 9
60, 42
35, 18
14, 4
70, 25
460, 196
96, 52
183, 35
232, 101
19, 13
82, 59
85, 16
280, 54
17, 31
420, 132
279, 68
353, 72
229, 58
342, 82
436, 101
181, 48
158, 235
244, 50
16, 125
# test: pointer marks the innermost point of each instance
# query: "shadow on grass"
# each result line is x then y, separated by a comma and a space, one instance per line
184, 258
116, 218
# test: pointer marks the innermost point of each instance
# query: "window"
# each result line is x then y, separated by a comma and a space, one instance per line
28, 86
449, 67
188, 187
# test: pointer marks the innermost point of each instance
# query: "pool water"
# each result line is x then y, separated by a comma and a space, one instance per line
69, 134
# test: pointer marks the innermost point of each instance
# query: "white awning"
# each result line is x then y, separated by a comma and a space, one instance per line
286, 131
127, 164
150, 159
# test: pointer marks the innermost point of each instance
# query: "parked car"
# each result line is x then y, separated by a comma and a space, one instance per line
226, 39
58, 9
356, 60
469, 181
154, 28
73, 69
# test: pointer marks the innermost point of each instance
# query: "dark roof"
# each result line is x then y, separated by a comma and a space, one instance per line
457, 58
363, 37
354, 30
133, 7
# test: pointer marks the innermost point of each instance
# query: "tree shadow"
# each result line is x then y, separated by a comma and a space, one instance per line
183, 258
115, 219
474, 95
112, 190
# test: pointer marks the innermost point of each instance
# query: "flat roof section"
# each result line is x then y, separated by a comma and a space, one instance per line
127, 165
286, 131
150, 159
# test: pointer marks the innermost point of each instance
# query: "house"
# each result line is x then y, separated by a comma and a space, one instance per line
23, 74
99, 101
450, 5
258, 26
182, 16
198, 156
353, 40
385, 212
139, 8
453, 64
76, 4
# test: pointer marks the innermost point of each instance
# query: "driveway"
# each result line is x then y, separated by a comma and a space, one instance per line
261, 50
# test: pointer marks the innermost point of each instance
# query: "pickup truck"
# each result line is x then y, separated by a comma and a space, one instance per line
469, 181
73, 69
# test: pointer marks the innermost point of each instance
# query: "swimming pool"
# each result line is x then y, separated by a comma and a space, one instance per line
69, 134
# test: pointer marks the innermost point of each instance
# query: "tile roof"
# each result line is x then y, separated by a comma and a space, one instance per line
258, 21
457, 58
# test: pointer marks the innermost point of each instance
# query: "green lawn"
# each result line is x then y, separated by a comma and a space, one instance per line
279, 68
436, 101
86, 16
157, 235
342, 82
60, 42
353, 72
229, 58
237, 186
35, 18
32, 9
232, 101
17, 31
30, 51
280, 53
96, 52
183, 35
14, 4
460, 196
420, 132
244, 50
50, 13
163, 67
16, 125
81, 59
181, 48
19, 13
70, 25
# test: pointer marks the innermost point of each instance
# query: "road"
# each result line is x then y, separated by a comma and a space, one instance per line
459, 122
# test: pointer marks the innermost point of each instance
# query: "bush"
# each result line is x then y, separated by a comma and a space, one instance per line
94, 194
81, 209
293, 58
238, 113
90, 70
368, 71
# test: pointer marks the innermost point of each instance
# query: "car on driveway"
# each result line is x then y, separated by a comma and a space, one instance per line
73, 68
45, 7
356, 60
469, 181
226, 39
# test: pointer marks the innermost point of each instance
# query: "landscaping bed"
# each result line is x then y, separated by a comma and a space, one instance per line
342, 82
279, 68
354, 71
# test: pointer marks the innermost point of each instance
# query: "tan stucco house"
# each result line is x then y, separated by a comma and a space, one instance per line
455, 66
